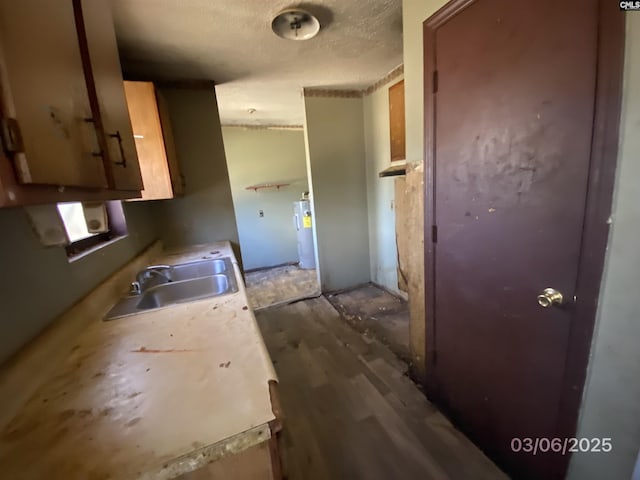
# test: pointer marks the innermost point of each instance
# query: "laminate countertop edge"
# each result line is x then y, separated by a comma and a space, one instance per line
151, 396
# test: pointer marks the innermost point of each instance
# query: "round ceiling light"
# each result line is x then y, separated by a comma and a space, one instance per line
295, 24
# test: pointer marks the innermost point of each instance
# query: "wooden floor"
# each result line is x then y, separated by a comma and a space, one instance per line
374, 311
350, 410
274, 286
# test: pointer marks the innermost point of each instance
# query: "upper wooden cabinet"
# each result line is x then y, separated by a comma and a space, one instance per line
65, 131
45, 92
396, 121
154, 141
104, 82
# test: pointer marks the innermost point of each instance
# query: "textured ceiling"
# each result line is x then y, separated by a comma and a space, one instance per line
231, 42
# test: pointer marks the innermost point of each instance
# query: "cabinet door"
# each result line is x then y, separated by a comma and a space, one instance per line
43, 88
105, 75
177, 179
147, 129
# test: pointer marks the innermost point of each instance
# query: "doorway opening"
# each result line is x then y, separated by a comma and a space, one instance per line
269, 185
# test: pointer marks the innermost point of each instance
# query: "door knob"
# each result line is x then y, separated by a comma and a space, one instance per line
549, 297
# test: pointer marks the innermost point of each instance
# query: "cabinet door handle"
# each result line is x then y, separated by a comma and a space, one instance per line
11, 137
99, 153
123, 158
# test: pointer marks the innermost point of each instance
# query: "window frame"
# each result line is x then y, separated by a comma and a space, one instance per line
117, 228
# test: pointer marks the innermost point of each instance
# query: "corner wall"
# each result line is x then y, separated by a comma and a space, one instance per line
380, 191
256, 156
611, 398
205, 213
414, 13
334, 130
38, 283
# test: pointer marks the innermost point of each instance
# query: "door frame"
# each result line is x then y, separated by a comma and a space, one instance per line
601, 179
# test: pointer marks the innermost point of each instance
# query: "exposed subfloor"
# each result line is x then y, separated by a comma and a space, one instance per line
374, 311
350, 410
277, 285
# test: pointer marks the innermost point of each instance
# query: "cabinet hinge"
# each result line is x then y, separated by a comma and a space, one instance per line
10, 135
434, 233
435, 81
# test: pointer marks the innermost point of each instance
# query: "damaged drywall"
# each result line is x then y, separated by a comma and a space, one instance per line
409, 198
414, 13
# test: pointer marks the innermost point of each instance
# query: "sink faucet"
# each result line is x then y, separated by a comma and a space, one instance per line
150, 271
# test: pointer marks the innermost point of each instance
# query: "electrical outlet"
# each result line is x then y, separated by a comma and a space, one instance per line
260, 213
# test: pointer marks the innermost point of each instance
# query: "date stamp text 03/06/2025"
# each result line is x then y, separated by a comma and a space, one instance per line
563, 446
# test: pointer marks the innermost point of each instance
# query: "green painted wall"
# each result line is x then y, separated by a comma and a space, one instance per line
380, 191
334, 130
257, 156
205, 212
38, 283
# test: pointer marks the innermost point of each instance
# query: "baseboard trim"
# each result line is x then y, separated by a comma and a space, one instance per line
260, 269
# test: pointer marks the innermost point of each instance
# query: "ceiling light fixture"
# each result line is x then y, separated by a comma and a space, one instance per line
295, 24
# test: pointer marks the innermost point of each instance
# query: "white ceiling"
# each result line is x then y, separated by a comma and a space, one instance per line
231, 42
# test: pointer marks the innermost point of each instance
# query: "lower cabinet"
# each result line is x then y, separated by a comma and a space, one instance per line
254, 463
260, 462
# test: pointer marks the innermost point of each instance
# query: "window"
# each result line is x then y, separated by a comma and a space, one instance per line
72, 215
87, 225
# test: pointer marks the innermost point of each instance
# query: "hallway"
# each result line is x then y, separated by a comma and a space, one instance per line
350, 410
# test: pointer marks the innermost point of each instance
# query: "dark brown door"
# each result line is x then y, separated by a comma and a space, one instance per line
514, 113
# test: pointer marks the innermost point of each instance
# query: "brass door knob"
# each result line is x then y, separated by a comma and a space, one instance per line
549, 297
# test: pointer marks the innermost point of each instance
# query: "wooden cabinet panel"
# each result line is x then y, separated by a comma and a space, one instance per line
106, 91
254, 463
396, 121
177, 179
43, 88
151, 135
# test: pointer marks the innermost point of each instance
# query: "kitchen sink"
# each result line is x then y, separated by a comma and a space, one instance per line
186, 290
203, 268
181, 283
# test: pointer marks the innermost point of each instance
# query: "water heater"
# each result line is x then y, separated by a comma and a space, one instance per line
304, 230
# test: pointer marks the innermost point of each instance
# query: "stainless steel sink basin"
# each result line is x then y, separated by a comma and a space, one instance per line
203, 268
187, 290
181, 283
155, 275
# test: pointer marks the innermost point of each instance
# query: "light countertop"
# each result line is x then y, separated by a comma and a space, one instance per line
149, 396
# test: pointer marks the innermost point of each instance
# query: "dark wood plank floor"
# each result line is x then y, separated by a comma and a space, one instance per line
351, 412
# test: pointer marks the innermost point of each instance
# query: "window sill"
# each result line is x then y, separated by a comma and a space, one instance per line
95, 248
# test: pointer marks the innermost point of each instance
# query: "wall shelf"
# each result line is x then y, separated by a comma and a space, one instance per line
260, 186
393, 171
